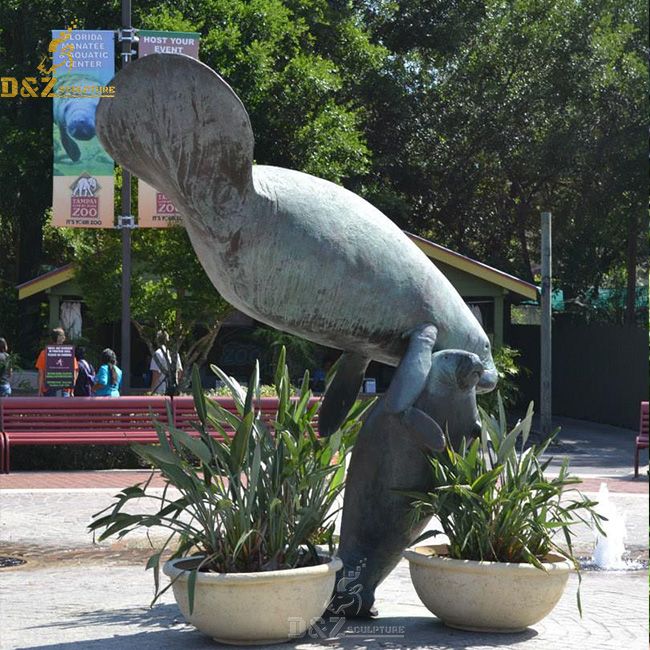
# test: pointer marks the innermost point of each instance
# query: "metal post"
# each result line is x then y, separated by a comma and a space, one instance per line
125, 220
546, 408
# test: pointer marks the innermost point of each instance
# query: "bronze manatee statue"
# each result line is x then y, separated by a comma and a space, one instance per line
291, 250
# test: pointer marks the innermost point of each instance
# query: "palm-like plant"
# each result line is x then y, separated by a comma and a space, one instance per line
495, 502
256, 501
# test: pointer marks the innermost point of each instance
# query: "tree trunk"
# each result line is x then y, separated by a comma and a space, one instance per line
521, 234
630, 267
198, 352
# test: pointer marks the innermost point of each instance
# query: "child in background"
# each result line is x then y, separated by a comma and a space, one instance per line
109, 377
86, 376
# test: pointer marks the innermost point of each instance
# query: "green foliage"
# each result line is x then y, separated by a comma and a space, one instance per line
169, 289
74, 458
495, 503
508, 369
265, 390
299, 352
9, 313
461, 119
493, 111
296, 67
254, 502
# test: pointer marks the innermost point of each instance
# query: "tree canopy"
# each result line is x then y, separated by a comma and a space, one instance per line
460, 119
525, 106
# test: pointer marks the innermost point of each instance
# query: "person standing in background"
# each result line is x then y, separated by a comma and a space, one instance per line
83, 386
5, 369
57, 337
109, 377
162, 367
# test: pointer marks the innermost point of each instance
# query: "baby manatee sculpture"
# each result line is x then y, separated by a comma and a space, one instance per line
291, 250
389, 455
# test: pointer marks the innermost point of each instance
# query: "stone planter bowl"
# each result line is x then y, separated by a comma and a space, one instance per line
486, 596
254, 608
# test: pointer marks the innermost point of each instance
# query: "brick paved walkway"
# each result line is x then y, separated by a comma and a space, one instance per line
76, 480
104, 606
73, 594
616, 484
121, 478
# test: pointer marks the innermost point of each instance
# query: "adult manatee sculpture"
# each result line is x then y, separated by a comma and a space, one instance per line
291, 250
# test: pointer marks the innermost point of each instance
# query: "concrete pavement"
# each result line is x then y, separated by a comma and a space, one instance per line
73, 594
95, 604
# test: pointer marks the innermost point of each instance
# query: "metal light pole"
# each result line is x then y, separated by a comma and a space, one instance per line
126, 221
546, 407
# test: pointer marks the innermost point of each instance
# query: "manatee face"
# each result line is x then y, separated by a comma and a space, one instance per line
80, 121
449, 395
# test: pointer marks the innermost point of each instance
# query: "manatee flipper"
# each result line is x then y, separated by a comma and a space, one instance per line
342, 392
413, 370
176, 124
70, 146
423, 429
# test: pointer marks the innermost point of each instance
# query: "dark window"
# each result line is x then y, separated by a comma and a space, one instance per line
486, 308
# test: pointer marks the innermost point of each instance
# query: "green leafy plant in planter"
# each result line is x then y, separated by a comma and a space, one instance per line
510, 371
495, 503
254, 503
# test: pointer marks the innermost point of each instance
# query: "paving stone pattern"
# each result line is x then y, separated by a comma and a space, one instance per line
104, 606
73, 594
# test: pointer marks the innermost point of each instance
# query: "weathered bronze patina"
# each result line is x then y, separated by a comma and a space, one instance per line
389, 457
293, 251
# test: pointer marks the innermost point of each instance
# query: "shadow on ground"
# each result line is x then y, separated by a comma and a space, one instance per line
170, 632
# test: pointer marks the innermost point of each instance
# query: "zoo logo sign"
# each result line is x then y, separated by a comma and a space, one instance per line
84, 204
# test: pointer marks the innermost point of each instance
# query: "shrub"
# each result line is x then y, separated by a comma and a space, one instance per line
509, 370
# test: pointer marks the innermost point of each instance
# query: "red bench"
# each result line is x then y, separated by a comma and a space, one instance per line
184, 412
99, 420
642, 438
78, 421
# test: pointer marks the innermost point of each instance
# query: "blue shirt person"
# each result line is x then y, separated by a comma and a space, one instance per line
109, 377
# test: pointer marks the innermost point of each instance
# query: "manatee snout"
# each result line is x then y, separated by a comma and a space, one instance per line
475, 431
81, 128
469, 369
469, 374
488, 380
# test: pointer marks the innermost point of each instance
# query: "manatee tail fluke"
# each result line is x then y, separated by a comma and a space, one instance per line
342, 392
70, 146
176, 124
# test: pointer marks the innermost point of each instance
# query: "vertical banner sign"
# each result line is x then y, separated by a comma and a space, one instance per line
83, 171
59, 366
155, 210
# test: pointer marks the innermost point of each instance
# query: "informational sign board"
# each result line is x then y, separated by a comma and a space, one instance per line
59, 366
155, 210
82, 170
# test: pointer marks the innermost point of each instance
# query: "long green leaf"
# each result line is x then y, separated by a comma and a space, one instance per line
197, 447
199, 396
